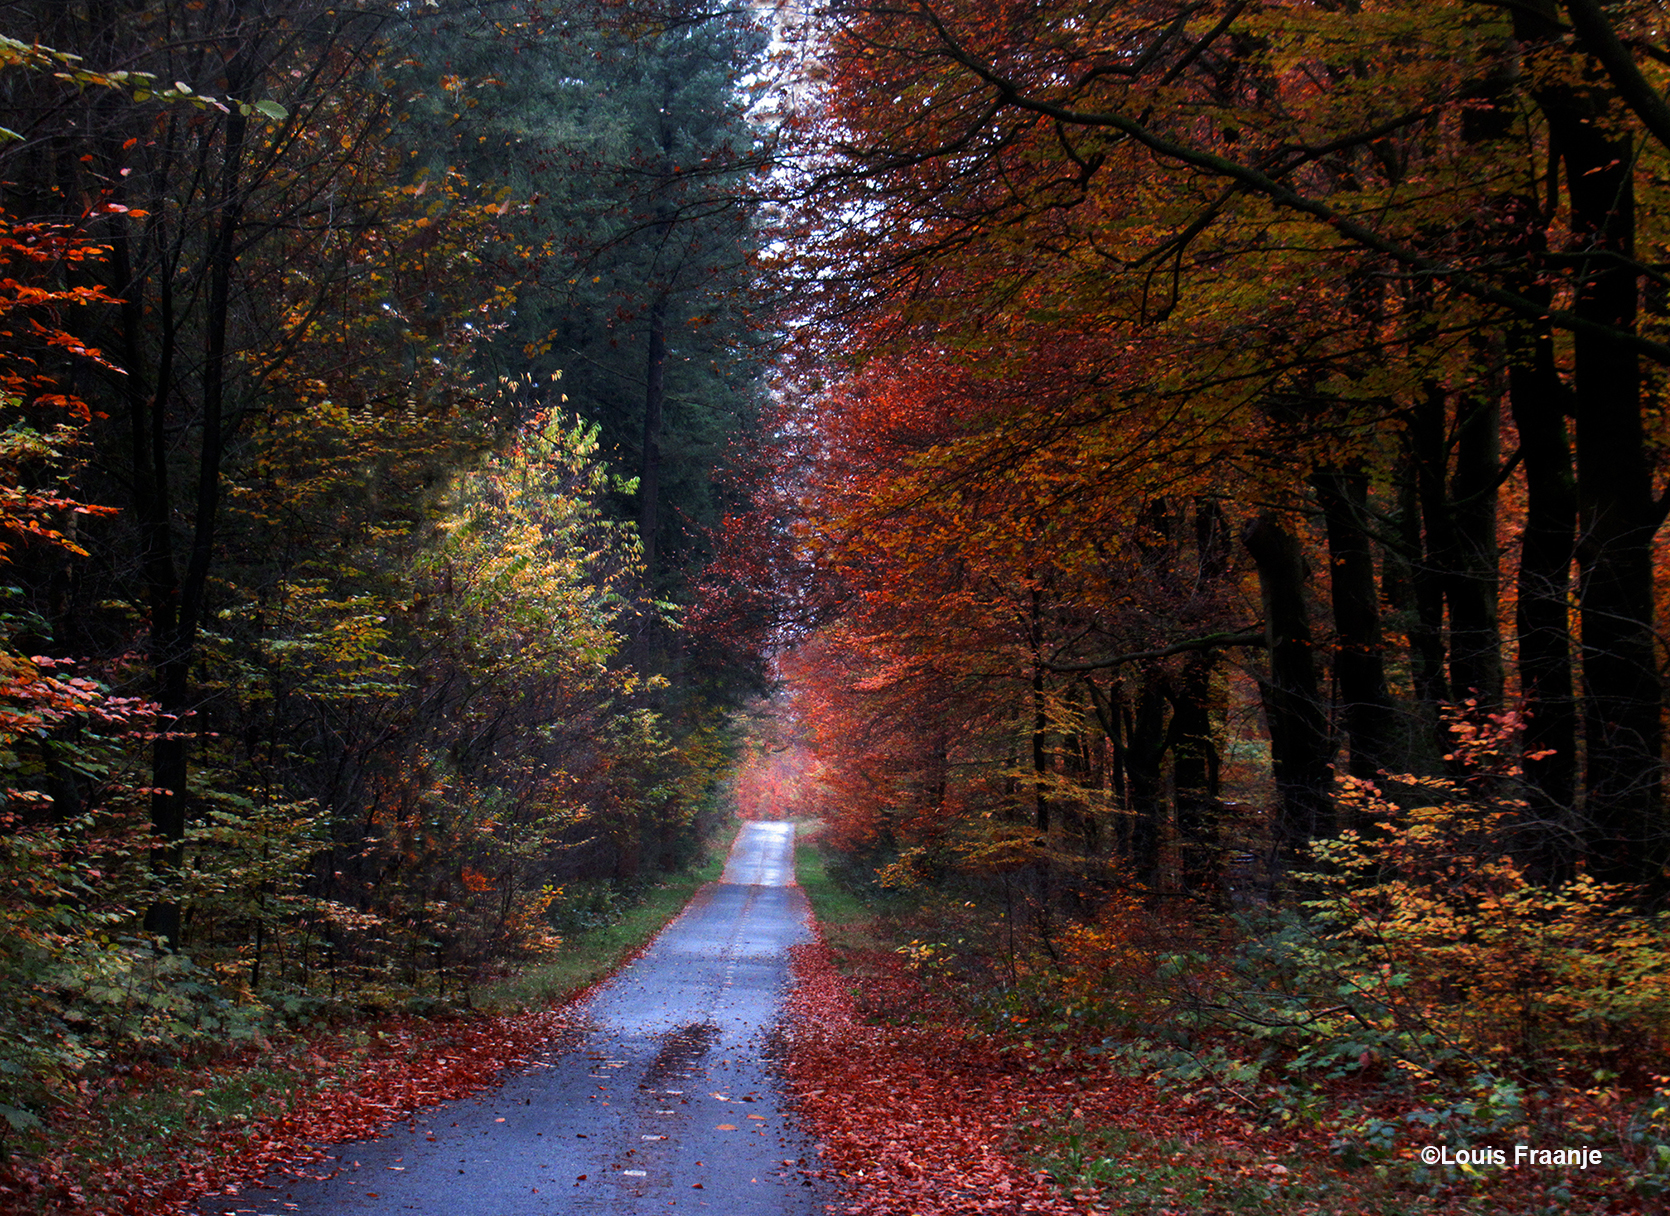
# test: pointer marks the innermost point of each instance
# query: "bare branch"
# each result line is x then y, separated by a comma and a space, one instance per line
1253, 636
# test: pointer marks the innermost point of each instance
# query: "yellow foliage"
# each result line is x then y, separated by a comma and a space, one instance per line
1430, 904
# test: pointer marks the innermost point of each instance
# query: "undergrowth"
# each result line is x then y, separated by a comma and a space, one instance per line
1421, 993
602, 927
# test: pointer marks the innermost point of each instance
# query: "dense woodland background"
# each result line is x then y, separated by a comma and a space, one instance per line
376, 377
1224, 492
1278, 363
1131, 460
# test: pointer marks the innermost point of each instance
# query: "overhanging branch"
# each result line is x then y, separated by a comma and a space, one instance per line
1212, 641
1010, 93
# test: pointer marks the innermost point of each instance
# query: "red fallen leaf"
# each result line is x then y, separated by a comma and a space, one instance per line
726, 1127
907, 1117
414, 1064
695, 1186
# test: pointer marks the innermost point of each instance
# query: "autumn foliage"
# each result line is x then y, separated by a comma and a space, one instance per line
1196, 408
1230, 507
331, 656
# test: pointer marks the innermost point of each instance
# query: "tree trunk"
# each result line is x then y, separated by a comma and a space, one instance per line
1617, 522
1472, 578
649, 469
1300, 752
1623, 832
1195, 774
1145, 773
1549, 744
177, 604
1426, 537
1359, 661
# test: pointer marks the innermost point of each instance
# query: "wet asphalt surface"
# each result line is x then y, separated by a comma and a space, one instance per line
666, 1101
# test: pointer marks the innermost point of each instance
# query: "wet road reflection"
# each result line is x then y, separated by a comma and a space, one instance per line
666, 1101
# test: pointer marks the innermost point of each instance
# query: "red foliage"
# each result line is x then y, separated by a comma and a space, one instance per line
910, 1121
769, 781
33, 341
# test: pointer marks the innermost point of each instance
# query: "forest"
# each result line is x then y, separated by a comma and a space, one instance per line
1220, 541
1177, 486
375, 379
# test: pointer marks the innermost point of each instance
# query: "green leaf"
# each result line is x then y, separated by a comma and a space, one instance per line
20, 1120
272, 109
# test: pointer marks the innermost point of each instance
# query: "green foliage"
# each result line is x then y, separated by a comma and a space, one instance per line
534, 576
1142, 1174
624, 156
79, 984
532, 747
386, 594
1648, 1131
528, 743
601, 926
1424, 992
1424, 958
76, 989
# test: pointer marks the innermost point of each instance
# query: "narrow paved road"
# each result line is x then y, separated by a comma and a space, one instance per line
666, 1102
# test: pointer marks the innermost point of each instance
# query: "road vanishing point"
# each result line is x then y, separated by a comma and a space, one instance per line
662, 1099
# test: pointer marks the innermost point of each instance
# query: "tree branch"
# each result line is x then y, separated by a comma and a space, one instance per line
1598, 37
1212, 641
1010, 94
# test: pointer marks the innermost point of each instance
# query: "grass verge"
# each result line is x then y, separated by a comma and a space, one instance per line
843, 916
591, 955
1107, 1167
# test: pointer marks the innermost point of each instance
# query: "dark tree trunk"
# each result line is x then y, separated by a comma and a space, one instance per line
1145, 779
1299, 746
1539, 404
1196, 762
1549, 744
1040, 756
177, 603
1213, 540
1425, 519
649, 470
1195, 773
1617, 522
1624, 837
1472, 579
1359, 659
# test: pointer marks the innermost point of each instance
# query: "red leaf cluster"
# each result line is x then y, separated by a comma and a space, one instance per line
910, 1121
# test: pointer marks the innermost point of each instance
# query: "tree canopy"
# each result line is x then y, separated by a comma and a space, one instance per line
1132, 323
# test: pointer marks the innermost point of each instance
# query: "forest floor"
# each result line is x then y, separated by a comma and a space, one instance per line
922, 1111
